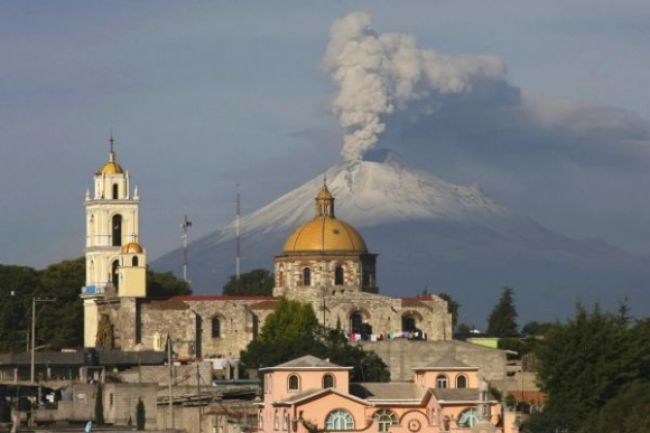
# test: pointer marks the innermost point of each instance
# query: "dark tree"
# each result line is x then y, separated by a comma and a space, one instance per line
583, 364
502, 320
255, 282
292, 331
534, 329
452, 307
165, 285
625, 413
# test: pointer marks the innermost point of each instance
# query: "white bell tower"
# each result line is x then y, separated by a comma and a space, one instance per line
115, 261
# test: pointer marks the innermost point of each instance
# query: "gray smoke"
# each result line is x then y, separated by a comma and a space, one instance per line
377, 74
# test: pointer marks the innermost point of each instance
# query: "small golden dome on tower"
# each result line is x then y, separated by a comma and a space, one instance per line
132, 248
111, 167
325, 233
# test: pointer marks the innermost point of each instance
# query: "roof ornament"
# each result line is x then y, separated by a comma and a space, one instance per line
111, 153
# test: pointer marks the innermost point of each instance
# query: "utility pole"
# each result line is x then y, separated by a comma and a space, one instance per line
32, 369
185, 225
169, 380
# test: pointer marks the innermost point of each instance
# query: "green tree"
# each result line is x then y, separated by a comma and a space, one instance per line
452, 307
99, 405
255, 282
534, 329
627, 412
502, 319
584, 363
164, 285
292, 331
140, 415
17, 284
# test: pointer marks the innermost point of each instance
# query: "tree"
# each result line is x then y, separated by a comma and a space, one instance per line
255, 282
627, 412
99, 405
452, 307
502, 320
292, 331
586, 362
534, 329
140, 418
165, 285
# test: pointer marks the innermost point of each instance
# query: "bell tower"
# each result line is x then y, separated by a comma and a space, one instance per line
115, 261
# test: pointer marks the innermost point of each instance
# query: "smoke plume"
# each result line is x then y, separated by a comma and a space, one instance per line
376, 74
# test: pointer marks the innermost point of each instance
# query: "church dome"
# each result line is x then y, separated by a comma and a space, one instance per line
111, 167
132, 248
325, 233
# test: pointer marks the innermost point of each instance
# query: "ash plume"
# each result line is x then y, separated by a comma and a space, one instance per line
376, 74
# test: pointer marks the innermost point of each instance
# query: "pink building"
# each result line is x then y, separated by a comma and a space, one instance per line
309, 394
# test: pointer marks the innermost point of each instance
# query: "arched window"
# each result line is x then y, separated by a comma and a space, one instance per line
116, 190
356, 322
461, 381
441, 381
385, 419
306, 277
117, 230
216, 327
408, 323
115, 278
134, 261
339, 419
280, 279
338, 276
328, 381
468, 418
293, 383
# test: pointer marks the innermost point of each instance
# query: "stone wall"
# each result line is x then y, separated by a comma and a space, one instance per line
121, 399
403, 355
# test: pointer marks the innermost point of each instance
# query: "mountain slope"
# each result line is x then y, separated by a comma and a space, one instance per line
432, 234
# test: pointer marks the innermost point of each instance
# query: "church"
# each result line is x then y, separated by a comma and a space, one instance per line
324, 262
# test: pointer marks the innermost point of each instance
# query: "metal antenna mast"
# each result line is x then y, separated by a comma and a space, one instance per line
238, 234
185, 225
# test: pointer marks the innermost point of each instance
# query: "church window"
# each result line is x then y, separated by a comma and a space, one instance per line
117, 230
280, 279
293, 383
461, 381
356, 322
328, 381
216, 327
115, 279
441, 381
339, 419
116, 190
408, 323
338, 276
134, 261
306, 277
385, 419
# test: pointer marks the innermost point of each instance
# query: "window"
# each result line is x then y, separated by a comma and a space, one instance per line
117, 230
408, 323
280, 279
385, 419
356, 322
216, 327
468, 418
116, 191
134, 261
461, 381
306, 277
293, 383
260, 423
285, 424
339, 420
328, 381
441, 381
338, 276
115, 278
276, 421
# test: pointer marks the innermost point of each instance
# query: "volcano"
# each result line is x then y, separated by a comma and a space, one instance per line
435, 236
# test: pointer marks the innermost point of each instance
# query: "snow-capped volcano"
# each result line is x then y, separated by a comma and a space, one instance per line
429, 234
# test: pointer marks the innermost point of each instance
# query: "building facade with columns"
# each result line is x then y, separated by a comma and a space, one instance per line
324, 262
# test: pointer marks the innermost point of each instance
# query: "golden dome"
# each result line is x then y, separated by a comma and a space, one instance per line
325, 233
111, 167
132, 248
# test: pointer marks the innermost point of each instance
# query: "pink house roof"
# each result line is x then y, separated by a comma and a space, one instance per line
307, 362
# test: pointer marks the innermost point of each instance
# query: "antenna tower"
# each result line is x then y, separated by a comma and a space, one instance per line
185, 225
238, 234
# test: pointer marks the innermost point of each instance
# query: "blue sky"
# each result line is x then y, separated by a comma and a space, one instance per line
203, 96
